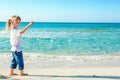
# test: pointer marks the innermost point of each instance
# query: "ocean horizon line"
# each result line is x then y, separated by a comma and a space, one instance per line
68, 22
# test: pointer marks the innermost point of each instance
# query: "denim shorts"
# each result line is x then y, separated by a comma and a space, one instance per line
17, 59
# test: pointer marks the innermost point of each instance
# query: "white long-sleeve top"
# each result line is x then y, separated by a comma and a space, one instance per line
15, 40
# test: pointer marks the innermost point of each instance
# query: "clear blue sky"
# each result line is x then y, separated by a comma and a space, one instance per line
61, 10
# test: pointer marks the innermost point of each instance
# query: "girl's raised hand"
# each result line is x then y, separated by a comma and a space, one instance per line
31, 23
24, 29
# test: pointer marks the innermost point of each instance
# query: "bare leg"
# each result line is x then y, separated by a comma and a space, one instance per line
11, 72
21, 73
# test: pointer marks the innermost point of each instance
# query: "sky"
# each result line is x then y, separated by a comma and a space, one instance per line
61, 10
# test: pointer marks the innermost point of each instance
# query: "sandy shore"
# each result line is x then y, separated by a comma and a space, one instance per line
93, 73
63, 73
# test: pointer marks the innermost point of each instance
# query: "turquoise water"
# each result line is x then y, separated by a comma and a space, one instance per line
67, 38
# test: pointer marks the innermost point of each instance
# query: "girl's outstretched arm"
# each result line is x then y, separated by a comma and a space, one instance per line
24, 29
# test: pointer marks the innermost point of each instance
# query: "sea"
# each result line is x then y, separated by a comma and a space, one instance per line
66, 38
65, 42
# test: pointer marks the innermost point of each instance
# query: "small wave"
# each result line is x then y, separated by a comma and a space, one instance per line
52, 34
37, 58
4, 34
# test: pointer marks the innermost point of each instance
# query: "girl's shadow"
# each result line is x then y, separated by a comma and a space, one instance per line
77, 76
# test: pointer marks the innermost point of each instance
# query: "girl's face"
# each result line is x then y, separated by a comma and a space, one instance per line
15, 22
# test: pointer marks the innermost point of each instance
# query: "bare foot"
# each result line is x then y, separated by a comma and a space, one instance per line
24, 74
13, 74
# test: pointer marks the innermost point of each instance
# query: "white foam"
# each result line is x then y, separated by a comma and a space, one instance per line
49, 34
4, 34
37, 58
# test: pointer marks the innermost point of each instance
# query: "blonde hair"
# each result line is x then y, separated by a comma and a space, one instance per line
8, 23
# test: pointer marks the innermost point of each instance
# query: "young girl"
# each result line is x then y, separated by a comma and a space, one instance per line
16, 43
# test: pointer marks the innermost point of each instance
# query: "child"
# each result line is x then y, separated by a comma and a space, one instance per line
16, 42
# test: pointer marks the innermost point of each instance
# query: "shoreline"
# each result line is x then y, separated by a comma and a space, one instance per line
63, 61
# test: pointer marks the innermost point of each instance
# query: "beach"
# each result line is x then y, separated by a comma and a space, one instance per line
41, 67
60, 39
